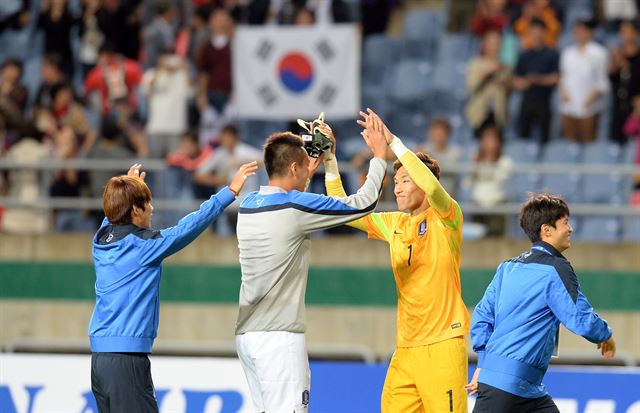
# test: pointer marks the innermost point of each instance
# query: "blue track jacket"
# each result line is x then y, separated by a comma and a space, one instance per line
514, 328
128, 264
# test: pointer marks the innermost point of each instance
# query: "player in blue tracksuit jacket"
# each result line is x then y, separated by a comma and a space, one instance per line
128, 258
514, 328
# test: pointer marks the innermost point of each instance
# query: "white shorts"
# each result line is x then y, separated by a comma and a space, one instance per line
276, 366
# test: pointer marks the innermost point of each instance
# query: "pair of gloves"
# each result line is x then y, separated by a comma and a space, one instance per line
315, 142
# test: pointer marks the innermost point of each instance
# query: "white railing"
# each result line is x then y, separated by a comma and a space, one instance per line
156, 165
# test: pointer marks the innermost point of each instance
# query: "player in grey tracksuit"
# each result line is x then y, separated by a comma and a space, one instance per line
273, 231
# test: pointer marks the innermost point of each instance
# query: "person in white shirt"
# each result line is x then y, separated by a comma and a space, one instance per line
583, 84
217, 170
168, 89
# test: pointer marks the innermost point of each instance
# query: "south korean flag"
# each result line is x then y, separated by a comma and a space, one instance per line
296, 72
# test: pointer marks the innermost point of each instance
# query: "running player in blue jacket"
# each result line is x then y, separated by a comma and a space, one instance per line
514, 327
128, 256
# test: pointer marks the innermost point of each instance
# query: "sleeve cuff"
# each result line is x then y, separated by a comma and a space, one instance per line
331, 172
225, 196
480, 358
398, 147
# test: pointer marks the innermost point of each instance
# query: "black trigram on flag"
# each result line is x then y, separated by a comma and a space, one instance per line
264, 50
267, 94
327, 93
325, 50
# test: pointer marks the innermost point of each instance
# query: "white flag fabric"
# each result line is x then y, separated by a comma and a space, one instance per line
296, 72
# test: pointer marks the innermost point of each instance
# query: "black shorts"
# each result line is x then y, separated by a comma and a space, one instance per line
121, 382
493, 400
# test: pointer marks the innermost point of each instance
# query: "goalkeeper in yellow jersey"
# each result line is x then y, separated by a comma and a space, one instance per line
428, 370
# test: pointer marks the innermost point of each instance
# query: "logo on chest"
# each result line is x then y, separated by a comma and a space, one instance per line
422, 228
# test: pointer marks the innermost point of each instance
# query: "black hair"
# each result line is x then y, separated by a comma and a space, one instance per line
541, 209
280, 151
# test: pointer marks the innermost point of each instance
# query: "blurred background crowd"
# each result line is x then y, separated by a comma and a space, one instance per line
485, 86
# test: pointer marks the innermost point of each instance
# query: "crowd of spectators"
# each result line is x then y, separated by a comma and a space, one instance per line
152, 79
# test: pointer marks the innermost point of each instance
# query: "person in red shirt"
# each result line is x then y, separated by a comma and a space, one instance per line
115, 77
214, 62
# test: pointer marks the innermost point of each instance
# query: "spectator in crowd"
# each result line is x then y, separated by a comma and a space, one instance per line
91, 36
487, 84
583, 84
121, 23
490, 16
168, 89
632, 130
375, 15
617, 11
216, 171
200, 31
67, 112
110, 145
24, 185
540, 10
159, 36
624, 72
439, 147
182, 164
486, 184
15, 18
323, 11
13, 94
536, 75
459, 15
115, 77
304, 17
68, 183
214, 63
51, 74
57, 22
131, 128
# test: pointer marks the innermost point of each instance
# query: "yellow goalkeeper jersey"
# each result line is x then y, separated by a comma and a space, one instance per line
425, 256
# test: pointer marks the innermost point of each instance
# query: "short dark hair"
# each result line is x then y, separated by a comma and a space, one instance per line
13, 62
538, 22
280, 151
541, 209
231, 130
588, 23
432, 163
53, 59
441, 122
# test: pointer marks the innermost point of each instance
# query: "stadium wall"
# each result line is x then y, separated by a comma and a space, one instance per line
46, 291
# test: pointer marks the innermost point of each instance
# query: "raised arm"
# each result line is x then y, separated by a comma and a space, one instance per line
438, 197
171, 240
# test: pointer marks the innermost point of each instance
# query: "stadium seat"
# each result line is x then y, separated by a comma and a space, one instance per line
565, 184
631, 229
604, 188
410, 126
422, 29
409, 83
522, 151
379, 53
598, 229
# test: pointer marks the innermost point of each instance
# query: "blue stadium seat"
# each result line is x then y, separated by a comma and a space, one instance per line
602, 188
565, 184
599, 229
409, 83
631, 229
255, 132
422, 29
522, 151
409, 125
379, 52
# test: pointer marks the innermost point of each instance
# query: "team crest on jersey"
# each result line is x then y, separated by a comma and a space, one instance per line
422, 228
